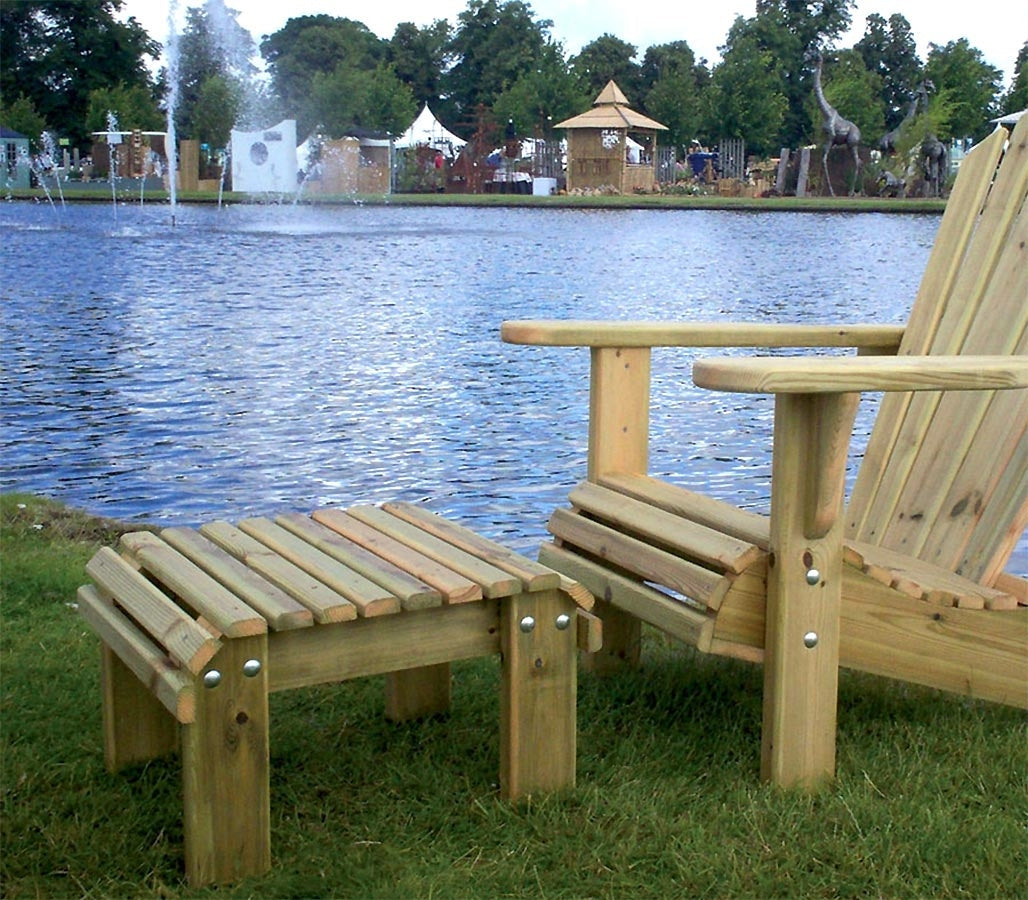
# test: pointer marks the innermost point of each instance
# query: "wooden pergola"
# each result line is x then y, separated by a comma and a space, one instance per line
599, 152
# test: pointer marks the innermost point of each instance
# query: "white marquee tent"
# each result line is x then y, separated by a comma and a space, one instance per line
426, 129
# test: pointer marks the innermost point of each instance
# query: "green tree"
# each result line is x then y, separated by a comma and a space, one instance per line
604, 59
215, 111
213, 45
418, 56
134, 106
1017, 97
494, 43
746, 97
21, 116
56, 52
541, 97
311, 46
671, 94
973, 87
350, 97
889, 51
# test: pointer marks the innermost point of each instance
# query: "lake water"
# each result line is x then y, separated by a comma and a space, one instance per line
261, 359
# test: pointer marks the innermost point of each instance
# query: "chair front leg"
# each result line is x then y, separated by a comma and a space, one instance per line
804, 591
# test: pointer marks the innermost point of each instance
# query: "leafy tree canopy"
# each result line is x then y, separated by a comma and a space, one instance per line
959, 71
541, 97
64, 61
309, 46
21, 116
746, 98
134, 107
214, 46
56, 53
1017, 97
607, 58
418, 56
889, 51
671, 84
493, 44
350, 97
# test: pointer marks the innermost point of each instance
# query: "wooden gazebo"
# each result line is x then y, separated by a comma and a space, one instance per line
612, 145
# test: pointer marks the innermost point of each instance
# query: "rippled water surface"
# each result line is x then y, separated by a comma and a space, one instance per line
259, 359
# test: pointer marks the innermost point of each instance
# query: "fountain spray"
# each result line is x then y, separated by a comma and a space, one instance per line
172, 103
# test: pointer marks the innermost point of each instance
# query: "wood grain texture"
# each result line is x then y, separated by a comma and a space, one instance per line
599, 333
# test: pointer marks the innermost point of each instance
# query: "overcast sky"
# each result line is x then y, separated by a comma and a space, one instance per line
998, 28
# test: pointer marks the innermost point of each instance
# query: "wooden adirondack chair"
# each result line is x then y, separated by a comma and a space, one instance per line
907, 582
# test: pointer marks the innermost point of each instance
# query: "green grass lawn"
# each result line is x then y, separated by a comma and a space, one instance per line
930, 799
129, 196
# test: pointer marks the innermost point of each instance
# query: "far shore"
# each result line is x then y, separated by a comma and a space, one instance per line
130, 195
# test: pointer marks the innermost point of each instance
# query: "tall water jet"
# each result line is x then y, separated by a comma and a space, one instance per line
171, 143
113, 140
49, 162
226, 156
39, 165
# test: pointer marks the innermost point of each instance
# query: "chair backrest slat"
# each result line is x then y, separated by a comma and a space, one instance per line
945, 476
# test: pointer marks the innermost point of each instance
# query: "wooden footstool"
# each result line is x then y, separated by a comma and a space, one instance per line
198, 626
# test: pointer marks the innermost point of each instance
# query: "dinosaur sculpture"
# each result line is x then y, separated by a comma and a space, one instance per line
837, 130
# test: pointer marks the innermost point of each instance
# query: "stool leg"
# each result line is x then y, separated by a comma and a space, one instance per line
136, 725
225, 764
537, 693
418, 693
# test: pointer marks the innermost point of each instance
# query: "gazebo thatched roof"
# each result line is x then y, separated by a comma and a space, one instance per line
611, 110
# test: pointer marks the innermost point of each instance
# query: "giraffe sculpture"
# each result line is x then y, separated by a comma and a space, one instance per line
887, 142
837, 130
934, 154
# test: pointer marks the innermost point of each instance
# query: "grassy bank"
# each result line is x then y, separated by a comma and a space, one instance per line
559, 201
929, 801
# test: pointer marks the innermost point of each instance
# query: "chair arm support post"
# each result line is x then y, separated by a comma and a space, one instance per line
834, 416
804, 591
619, 411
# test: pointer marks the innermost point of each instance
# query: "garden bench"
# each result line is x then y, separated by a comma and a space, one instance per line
199, 626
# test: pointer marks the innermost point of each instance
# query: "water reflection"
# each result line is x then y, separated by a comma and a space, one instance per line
260, 359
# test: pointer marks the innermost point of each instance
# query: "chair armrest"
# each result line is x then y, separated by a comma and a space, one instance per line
823, 375
587, 333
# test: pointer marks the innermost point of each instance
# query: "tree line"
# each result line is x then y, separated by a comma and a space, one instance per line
65, 63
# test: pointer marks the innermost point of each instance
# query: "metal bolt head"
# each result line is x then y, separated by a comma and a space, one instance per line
527, 624
252, 668
212, 678
813, 576
810, 640
563, 621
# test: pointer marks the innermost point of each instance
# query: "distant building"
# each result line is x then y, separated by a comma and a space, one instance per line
17, 165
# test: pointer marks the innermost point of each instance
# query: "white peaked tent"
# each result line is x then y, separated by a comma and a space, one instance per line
428, 130
1010, 118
